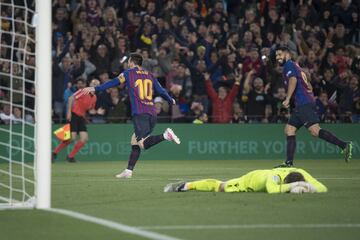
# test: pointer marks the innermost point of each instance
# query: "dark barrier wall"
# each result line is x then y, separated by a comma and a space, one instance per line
218, 142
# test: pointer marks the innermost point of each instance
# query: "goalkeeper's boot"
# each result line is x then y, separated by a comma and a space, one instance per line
171, 136
347, 151
70, 159
124, 174
285, 165
174, 187
53, 157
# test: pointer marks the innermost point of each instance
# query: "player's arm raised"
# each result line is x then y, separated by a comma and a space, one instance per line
163, 93
291, 89
111, 83
108, 84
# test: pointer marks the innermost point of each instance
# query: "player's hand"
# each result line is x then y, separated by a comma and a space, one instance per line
286, 103
311, 188
88, 90
302, 187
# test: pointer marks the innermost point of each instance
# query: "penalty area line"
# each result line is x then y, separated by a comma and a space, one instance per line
250, 226
111, 224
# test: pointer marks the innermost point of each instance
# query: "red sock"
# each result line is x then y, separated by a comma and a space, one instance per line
61, 146
77, 147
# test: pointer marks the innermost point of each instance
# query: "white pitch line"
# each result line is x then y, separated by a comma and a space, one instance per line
107, 180
250, 226
338, 178
113, 225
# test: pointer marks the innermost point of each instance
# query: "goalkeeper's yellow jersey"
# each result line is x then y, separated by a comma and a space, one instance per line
271, 181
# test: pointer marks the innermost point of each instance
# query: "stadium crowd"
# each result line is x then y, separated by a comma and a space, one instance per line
214, 57
17, 64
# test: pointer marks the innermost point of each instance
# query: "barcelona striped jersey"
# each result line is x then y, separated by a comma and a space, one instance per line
141, 86
303, 91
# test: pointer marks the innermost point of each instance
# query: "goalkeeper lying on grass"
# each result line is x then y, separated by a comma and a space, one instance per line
278, 180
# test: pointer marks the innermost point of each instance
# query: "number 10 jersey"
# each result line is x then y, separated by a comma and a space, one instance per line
141, 86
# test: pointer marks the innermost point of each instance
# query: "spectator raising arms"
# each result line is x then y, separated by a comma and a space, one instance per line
222, 101
182, 39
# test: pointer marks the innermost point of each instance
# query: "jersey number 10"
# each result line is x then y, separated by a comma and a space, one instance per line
145, 88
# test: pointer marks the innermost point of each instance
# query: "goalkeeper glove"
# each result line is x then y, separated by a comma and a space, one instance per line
302, 187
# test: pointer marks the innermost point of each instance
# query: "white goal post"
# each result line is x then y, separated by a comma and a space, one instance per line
43, 106
25, 131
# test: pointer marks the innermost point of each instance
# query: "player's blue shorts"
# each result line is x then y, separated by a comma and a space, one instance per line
143, 125
304, 115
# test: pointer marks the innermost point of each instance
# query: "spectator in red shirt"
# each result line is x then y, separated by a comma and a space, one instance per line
252, 62
222, 102
342, 61
78, 105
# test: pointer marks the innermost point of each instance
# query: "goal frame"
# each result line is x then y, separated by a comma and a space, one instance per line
43, 90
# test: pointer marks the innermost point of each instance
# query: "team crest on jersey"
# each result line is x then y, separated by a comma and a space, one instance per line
276, 179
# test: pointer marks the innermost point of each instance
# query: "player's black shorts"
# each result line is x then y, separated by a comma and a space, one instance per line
304, 115
77, 123
143, 125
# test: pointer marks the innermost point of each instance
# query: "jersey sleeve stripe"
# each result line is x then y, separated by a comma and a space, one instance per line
78, 94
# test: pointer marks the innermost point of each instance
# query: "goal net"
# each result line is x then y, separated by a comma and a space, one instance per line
24, 111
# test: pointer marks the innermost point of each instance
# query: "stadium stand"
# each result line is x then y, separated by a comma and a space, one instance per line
182, 40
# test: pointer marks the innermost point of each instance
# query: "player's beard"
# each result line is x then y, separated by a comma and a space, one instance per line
281, 62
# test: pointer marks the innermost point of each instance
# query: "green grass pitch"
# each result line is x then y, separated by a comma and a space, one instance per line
90, 188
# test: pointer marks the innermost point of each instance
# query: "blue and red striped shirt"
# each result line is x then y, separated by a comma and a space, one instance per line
141, 86
303, 91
